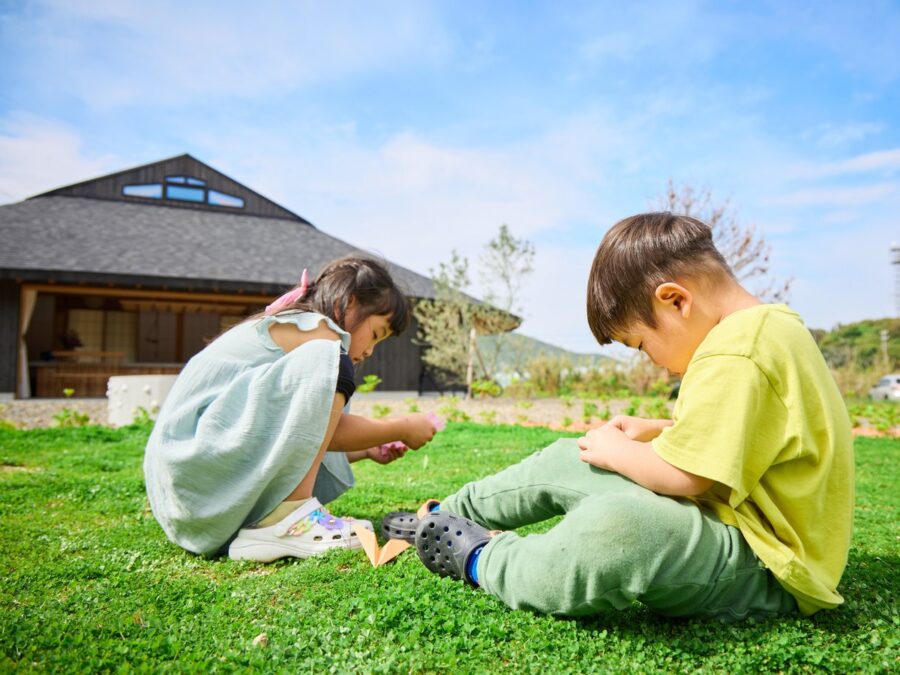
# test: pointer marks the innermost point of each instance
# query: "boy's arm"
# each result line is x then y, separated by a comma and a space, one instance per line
639, 428
360, 433
609, 448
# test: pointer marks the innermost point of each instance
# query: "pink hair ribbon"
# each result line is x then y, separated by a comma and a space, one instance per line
291, 296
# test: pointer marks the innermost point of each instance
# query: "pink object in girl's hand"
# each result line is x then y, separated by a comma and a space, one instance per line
436, 422
385, 449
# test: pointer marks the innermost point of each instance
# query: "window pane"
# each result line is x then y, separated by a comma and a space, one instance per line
185, 194
120, 334
149, 190
176, 179
87, 324
223, 199
195, 181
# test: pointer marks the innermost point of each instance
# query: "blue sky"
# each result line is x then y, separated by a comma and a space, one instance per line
413, 128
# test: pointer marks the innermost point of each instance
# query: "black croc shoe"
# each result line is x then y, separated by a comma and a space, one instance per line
400, 525
403, 524
444, 542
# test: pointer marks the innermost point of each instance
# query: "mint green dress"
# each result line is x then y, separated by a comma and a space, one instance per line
239, 431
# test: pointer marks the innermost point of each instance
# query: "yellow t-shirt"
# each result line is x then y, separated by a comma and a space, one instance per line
760, 414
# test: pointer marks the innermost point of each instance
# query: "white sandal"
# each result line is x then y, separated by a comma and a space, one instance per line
308, 531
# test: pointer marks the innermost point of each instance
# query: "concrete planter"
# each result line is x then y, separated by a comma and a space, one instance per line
127, 395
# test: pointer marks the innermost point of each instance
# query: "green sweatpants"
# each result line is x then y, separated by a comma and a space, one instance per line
617, 543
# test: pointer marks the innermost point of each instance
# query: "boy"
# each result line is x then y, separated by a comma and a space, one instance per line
741, 506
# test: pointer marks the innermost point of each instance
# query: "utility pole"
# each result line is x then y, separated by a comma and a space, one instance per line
895, 261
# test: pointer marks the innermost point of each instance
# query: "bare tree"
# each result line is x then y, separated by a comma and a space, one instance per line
742, 245
505, 263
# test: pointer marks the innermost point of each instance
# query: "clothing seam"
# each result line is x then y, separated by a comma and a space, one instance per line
532, 485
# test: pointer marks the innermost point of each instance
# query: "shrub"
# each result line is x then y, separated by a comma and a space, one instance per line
488, 416
451, 412
369, 384
482, 388
656, 408
69, 417
546, 373
379, 411
633, 407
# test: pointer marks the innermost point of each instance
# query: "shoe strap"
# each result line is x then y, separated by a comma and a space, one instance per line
308, 507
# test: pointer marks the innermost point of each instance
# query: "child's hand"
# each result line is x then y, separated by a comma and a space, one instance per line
599, 446
638, 428
387, 453
419, 429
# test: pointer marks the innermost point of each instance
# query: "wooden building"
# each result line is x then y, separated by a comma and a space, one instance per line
133, 272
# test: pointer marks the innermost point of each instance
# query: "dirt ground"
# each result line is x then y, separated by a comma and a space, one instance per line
554, 413
33, 413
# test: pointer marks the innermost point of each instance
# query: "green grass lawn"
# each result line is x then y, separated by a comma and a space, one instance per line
89, 582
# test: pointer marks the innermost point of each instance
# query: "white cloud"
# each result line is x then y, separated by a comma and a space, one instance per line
882, 160
836, 135
38, 155
129, 52
418, 198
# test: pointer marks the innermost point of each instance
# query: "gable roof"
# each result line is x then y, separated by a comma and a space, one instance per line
199, 185
91, 232
98, 241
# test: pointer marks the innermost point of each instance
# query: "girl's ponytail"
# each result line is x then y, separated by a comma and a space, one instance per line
353, 277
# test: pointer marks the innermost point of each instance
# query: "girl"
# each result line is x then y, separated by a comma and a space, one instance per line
236, 455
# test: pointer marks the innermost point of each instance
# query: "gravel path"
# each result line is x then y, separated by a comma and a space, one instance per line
33, 413
553, 413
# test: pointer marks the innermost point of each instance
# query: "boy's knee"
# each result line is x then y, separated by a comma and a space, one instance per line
562, 451
625, 525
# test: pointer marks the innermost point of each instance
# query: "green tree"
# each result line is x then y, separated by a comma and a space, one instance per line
445, 322
450, 324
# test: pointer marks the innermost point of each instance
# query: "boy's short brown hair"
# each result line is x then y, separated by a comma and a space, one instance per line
638, 254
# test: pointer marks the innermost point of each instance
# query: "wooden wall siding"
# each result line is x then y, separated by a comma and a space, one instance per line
110, 187
9, 334
88, 380
157, 337
398, 362
198, 330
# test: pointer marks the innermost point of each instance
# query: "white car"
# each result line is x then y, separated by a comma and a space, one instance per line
887, 389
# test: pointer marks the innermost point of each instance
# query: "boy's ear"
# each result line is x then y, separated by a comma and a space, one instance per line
675, 296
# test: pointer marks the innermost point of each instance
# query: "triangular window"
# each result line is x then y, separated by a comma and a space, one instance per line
183, 189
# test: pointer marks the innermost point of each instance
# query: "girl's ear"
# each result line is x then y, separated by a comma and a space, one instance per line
675, 296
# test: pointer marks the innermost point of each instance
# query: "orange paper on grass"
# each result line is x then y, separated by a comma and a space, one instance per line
379, 556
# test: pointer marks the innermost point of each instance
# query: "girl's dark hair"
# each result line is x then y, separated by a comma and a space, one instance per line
638, 254
355, 277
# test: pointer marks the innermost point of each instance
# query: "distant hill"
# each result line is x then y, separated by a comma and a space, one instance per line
517, 350
860, 343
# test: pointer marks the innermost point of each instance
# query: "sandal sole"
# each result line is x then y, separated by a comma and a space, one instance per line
400, 525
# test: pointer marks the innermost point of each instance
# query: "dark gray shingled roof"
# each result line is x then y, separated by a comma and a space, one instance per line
79, 237
93, 232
